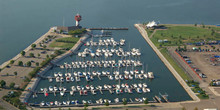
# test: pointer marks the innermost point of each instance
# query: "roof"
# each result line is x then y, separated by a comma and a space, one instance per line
151, 24
67, 29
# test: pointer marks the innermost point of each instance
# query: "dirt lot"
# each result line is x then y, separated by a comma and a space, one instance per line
201, 60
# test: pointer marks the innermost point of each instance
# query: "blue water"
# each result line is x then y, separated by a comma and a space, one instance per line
23, 21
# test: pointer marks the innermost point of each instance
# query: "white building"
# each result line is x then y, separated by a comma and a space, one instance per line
152, 24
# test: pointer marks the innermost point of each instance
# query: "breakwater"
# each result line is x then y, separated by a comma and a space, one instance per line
169, 66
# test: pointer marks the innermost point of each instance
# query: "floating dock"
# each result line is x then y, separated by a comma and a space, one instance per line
108, 28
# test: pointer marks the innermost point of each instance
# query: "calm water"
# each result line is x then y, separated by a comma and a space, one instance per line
22, 22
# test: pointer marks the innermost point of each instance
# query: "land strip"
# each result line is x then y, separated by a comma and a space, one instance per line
212, 92
177, 76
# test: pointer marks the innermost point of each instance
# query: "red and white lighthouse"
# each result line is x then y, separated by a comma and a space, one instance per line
78, 18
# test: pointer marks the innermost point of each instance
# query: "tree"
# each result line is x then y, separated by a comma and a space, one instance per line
2, 83
12, 85
28, 63
11, 62
213, 47
22, 53
47, 56
146, 101
107, 103
203, 25
15, 73
195, 24
183, 108
20, 63
85, 106
44, 46
195, 108
33, 46
31, 55
124, 101
184, 47
38, 55
179, 48
37, 63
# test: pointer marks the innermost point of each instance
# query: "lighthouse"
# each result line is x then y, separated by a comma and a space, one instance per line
78, 18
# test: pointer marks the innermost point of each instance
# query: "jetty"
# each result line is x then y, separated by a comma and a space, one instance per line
108, 28
164, 60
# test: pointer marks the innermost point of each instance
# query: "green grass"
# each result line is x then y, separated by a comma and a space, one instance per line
66, 43
178, 35
149, 32
174, 64
203, 96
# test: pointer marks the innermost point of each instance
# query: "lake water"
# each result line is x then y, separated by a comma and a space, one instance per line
22, 22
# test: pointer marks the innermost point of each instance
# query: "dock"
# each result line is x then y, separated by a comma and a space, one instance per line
158, 99
164, 96
109, 28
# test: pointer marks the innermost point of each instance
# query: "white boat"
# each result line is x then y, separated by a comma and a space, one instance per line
116, 100
84, 102
62, 93
73, 88
71, 92
140, 85
67, 102
110, 77
57, 79
151, 75
55, 74
55, 88
50, 88
144, 85
64, 102
42, 103
72, 79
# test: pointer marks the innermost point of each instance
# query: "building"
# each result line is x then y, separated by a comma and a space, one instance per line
152, 24
65, 30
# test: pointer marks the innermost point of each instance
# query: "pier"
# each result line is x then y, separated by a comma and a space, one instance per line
168, 65
108, 28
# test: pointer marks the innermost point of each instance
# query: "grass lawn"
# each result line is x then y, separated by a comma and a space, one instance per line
66, 43
178, 35
175, 65
203, 96
1, 108
149, 32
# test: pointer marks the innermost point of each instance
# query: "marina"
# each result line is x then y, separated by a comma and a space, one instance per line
103, 60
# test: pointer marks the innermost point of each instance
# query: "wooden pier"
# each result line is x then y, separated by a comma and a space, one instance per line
164, 96
158, 99
108, 28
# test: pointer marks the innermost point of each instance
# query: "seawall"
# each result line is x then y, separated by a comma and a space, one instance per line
26, 49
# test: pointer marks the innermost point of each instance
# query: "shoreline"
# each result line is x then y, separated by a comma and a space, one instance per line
34, 81
26, 49
168, 65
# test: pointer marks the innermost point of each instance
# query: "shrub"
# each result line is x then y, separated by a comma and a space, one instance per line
20, 63
31, 55
12, 61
